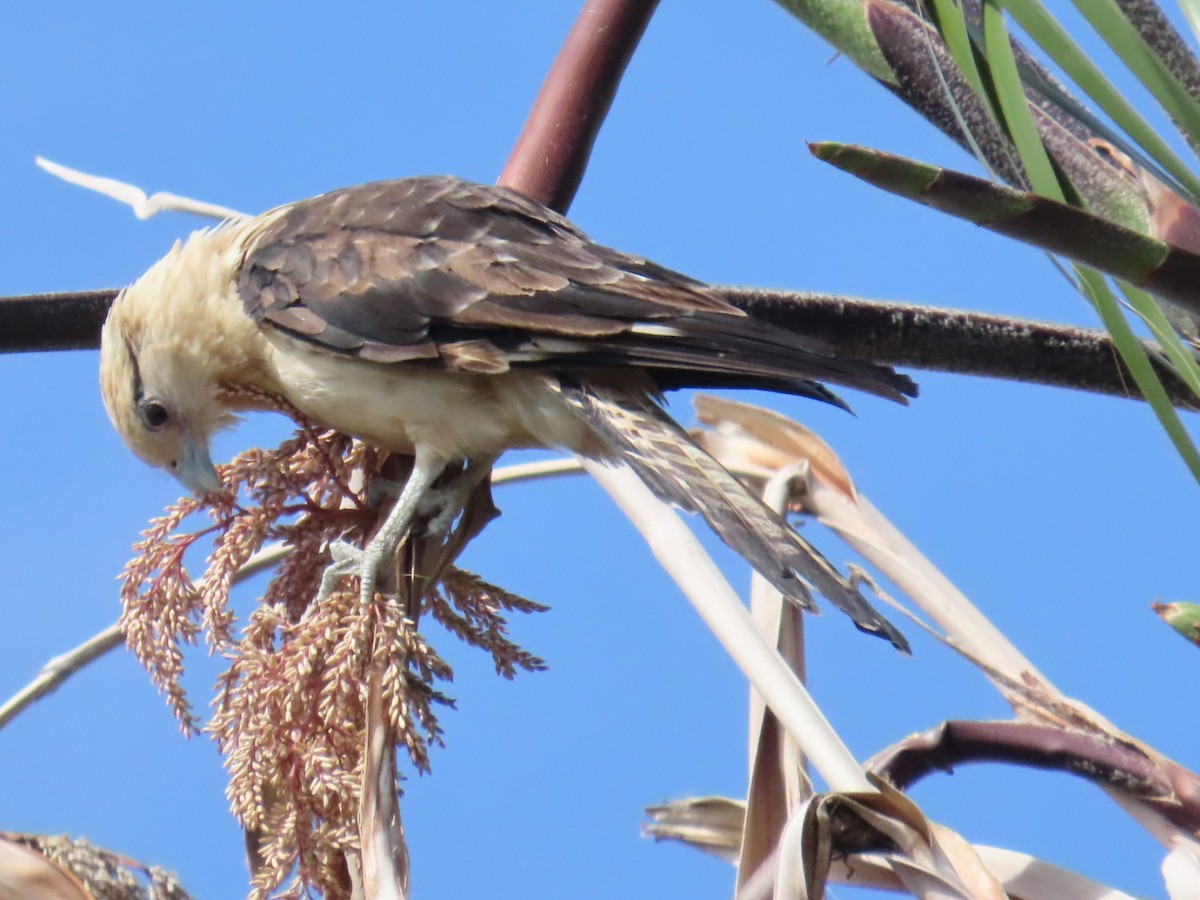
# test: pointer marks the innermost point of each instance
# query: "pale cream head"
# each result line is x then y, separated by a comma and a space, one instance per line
172, 340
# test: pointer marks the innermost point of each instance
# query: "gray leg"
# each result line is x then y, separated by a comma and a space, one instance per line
427, 466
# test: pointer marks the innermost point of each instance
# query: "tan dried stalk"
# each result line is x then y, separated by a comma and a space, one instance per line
760, 442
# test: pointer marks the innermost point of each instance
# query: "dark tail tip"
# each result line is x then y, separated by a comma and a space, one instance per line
884, 629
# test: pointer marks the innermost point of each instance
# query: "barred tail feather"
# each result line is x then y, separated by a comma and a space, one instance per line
677, 470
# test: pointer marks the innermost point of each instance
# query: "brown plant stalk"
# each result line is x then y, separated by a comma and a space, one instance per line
551, 154
1171, 789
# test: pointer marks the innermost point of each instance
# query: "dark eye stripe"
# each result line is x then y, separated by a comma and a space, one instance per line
138, 390
151, 412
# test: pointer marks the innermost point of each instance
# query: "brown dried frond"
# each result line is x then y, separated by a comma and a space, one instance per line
409, 668
306, 476
157, 621
472, 610
290, 710
290, 722
289, 725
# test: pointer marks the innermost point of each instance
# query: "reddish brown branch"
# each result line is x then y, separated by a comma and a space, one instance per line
1173, 790
552, 152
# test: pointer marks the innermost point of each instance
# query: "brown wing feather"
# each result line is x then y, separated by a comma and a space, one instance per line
420, 268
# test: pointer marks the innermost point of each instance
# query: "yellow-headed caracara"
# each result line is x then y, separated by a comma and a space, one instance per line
454, 321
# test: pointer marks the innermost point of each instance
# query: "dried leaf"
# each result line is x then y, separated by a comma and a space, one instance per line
1181, 871
1026, 876
927, 858
26, 874
778, 781
748, 438
711, 824
384, 852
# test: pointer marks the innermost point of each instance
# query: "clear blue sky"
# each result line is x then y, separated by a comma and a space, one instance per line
1062, 515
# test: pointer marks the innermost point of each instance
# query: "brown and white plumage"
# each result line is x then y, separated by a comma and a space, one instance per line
456, 321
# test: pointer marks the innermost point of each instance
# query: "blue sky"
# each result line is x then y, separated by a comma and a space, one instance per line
1063, 516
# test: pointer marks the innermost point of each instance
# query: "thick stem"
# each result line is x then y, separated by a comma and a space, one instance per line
952, 340
66, 321
552, 152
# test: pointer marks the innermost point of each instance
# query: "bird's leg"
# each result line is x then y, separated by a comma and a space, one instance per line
446, 502
427, 466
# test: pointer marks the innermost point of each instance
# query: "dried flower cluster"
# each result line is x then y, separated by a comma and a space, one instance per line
101, 873
291, 708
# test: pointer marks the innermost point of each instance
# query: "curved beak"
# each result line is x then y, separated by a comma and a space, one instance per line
195, 469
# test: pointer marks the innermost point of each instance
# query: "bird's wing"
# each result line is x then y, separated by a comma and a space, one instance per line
482, 279
672, 465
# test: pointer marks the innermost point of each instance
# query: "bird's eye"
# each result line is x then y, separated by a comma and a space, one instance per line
153, 414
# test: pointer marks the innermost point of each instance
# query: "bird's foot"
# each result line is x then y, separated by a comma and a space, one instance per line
441, 505
444, 504
367, 562
346, 559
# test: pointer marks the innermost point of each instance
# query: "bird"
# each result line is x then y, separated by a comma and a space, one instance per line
453, 321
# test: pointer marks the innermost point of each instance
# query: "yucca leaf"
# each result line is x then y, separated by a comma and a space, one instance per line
1151, 312
1120, 34
1045, 30
1191, 11
1010, 94
952, 25
1133, 354
1169, 272
1162, 37
1183, 617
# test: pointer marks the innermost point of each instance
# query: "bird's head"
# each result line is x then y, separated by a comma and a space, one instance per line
173, 341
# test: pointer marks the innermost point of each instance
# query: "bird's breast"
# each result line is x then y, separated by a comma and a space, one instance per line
397, 406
